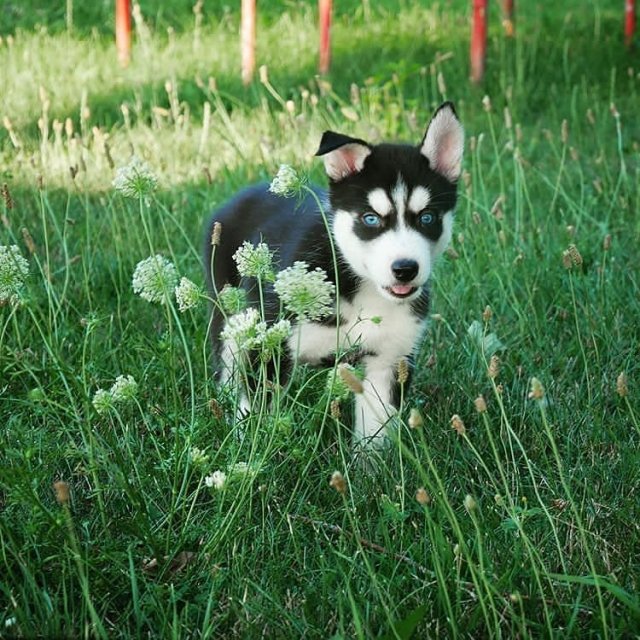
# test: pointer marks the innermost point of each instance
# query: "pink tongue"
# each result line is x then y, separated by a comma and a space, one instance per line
401, 289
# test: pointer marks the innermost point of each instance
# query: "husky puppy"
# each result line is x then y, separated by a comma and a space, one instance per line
390, 211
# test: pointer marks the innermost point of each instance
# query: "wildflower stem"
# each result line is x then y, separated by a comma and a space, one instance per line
576, 514
579, 337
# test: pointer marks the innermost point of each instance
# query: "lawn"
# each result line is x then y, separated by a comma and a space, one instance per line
519, 518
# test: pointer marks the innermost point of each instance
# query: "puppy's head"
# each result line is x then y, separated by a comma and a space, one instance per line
393, 204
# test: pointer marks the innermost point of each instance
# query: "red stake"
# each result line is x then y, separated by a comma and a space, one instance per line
248, 40
123, 31
629, 21
478, 40
325, 7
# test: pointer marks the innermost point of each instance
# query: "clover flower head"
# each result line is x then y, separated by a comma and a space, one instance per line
245, 329
135, 180
102, 401
287, 182
187, 294
154, 279
13, 271
232, 299
274, 336
307, 294
198, 456
124, 389
240, 469
256, 262
217, 480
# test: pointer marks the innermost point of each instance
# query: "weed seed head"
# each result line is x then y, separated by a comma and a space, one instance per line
337, 388
154, 279
470, 503
415, 419
338, 482
216, 233
494, 367
537, 390
350, 379
232, 299
457, 425
307, 294
6, 196
13, 271
571, 257
403, 371
480, 404
621, 385
28, 240
61, 489
423, 497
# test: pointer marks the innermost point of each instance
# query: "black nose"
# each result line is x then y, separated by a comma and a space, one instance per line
405, 270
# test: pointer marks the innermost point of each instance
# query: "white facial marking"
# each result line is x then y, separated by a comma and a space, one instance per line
379, 201
399, 197
419, 199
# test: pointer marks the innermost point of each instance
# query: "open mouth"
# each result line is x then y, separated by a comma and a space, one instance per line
401, 290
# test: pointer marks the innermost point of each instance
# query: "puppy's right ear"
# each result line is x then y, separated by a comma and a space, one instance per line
343, 156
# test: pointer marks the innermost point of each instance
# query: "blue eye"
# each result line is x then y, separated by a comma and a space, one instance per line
426, 219
371, 220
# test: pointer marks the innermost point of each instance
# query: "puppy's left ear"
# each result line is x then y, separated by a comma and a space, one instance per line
343, 156
443, 142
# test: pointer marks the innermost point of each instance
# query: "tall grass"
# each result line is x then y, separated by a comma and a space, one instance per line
526, 518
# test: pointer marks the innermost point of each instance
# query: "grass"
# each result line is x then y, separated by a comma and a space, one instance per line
546, 545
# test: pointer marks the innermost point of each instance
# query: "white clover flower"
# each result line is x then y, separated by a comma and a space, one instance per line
245, 329
135, 180
187, 294
274, 336
217, 479
307, 294
154, 279
13, 271
256, 262
102, 401
232, 299
287, 182
124, 389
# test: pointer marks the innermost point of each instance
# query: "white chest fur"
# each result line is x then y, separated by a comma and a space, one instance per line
376, 325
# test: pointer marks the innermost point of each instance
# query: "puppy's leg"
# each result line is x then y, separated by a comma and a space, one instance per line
375, 405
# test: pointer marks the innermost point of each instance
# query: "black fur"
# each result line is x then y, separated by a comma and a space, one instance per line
295, 228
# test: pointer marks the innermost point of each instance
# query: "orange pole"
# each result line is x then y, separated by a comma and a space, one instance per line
508, 22
325, 8
123, 31
629, 21
478, 40
248, 39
